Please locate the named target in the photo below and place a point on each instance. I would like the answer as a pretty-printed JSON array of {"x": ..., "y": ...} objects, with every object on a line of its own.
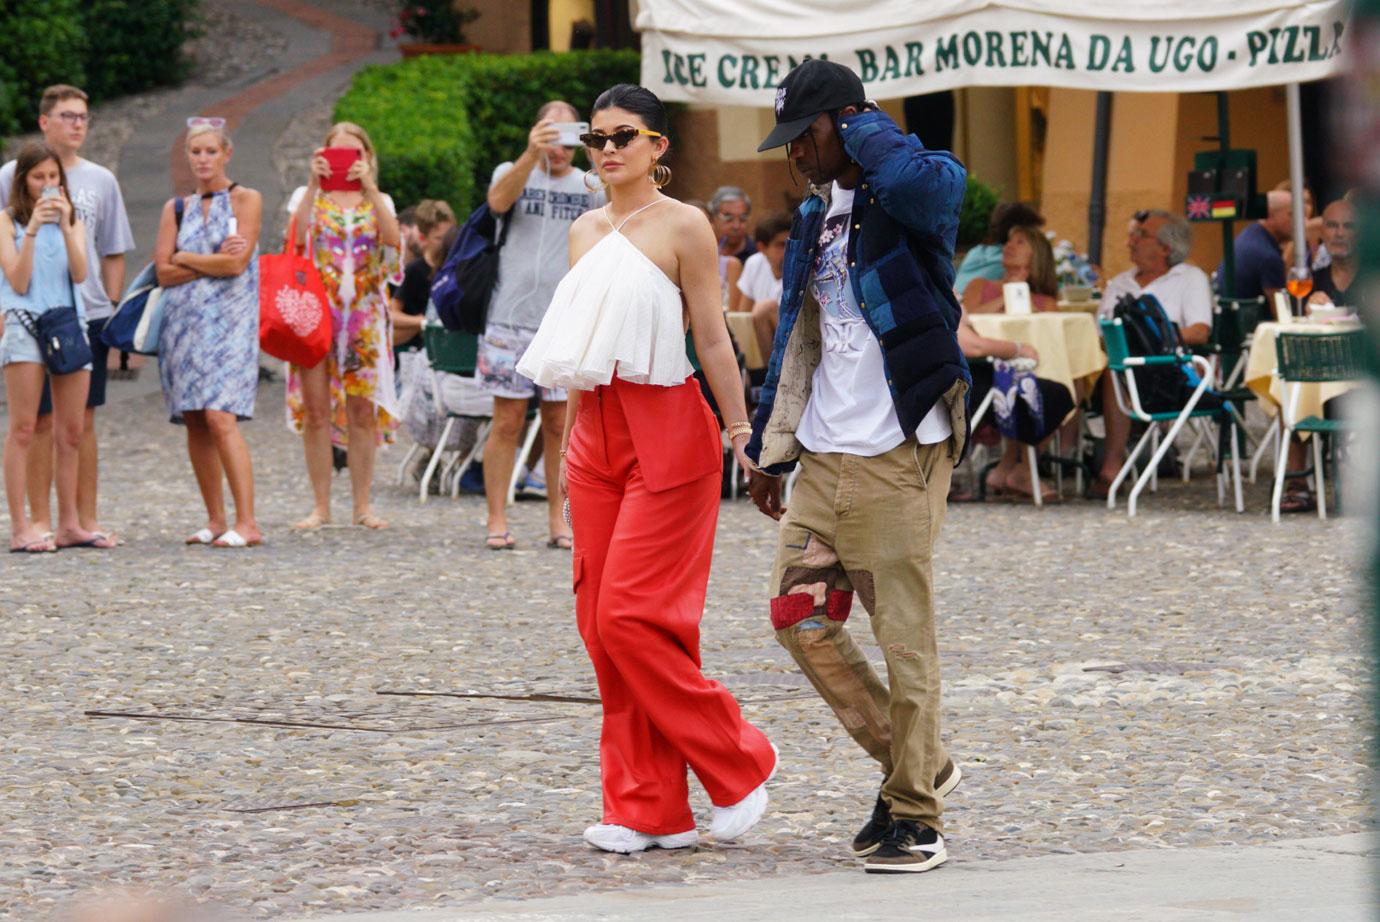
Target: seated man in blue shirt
[{"x": 1258, "y": 251}]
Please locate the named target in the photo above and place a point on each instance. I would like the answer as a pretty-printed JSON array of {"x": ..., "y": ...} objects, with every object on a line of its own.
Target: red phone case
[{"x": 340, "y": 159}]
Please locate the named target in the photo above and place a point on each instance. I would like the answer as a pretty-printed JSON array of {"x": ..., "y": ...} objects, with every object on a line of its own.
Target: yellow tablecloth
[
  {"x": 1262, "y": 360},
  {"x": 1070, "y": 349},
  {"x": 740, "y": 325}
]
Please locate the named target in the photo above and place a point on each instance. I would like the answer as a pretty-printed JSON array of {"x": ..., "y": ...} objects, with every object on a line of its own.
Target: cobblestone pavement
[{"x": 352, "y": 720}]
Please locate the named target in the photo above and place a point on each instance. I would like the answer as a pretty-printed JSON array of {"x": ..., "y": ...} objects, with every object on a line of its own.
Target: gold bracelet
[{"x": 737, "y": 429}]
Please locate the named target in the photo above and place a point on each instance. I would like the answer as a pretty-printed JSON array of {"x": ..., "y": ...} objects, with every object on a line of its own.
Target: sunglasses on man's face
[{"x": 596, "y": 140}]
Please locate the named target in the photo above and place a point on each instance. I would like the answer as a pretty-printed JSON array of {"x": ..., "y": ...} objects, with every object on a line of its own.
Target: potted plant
[{"x": 435, "y": 27}]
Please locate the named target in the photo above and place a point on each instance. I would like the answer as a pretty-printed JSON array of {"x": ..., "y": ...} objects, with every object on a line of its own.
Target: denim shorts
[{"x": 19, "y": 345}]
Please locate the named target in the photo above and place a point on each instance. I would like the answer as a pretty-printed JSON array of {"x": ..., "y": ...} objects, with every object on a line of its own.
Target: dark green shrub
[
  {"x": 140, "y": 44},
  {"x": 443, "y": 122},
  {"x": 44, "y": 44},
  {"x": 976, "y": 212}
]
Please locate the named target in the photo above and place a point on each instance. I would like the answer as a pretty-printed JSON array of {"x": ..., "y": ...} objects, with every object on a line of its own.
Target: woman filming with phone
[
  {"x": 538, "y": 196},
  {"x": 348, "y": 399},
  {"x": 43, "y": 258}
]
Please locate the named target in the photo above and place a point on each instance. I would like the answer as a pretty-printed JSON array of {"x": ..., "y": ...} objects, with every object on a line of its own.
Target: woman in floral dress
[{"x": 348, "y": 399}]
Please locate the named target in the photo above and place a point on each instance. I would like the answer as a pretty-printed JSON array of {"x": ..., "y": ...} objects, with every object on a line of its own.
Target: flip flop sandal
[
  {"x": 34, "y": 547},
  {"x": 505, "y": 542},
  {"x": 205, "y": 536},
  {"x": 92, "y": 543},
  {"x": 1297, "y": 501},
  {"x": 233, "y": 539},
  {"x": 561, "y": 543}
]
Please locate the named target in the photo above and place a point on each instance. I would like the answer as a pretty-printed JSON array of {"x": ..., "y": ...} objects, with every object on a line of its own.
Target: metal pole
[
  {"x": 1295, "y": 121},
  {"x": 1228, "y": 280},
  {"x": 1097, "y": 204}
]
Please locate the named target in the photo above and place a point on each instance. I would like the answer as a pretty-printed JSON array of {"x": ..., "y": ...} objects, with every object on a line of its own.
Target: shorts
[
  {"x": 19, "y": 345},
  {"x": 500, "y": 348},
  {"x": 100, "y": 353}
]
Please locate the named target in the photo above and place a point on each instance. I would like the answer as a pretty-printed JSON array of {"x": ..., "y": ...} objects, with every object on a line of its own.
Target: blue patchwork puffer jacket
[{"x": 900, "y": 255}]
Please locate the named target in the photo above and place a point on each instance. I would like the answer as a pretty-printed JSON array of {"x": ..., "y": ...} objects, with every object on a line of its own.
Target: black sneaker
[
  {"x": 869, "y": 838},
  {"x": 907, "y": 848}
]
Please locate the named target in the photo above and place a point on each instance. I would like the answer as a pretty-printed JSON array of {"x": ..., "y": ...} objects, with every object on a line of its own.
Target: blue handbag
[
  {"x": 138, "y": 320},
  {"x": 61, "y": 336}
]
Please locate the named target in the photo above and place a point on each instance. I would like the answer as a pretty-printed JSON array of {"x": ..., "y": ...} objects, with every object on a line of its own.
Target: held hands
[
  {"x": 765, "y": 491},
  {"x": 543, "y": 134}
]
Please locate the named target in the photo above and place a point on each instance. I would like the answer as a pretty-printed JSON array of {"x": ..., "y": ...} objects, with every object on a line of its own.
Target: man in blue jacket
[{"x": 866, "y": 390}]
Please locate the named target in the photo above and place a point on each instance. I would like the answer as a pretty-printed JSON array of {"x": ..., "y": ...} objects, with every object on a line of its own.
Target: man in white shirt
[
  {"x": 64, "y": 119},
  {"x": 760, "y": 283},
  {"x": 866, "y": 389},
  {"x": 1159, "y": 244}
]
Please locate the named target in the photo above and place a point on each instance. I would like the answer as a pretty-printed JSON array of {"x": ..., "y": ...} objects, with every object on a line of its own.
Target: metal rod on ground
[
  {"x": 1295, "y": 121},
  {"x": 1097, "y": 203}
]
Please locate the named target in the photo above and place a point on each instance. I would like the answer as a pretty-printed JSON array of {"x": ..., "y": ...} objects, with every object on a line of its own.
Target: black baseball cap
[{"x": 814, "y": 87}]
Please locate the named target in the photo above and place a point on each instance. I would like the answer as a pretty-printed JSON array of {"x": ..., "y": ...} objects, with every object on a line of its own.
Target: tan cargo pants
[{"x": 867, "y": 526}]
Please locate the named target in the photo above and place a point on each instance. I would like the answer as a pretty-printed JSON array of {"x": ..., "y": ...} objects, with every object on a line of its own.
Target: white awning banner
[{"x": 735, "y": 52}]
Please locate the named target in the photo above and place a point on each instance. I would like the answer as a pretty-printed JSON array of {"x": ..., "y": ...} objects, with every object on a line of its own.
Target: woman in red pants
[{"x": 641, "y": 463}]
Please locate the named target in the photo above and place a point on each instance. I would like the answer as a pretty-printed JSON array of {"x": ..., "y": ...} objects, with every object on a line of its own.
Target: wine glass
[{"x": 1300, "y": 283}]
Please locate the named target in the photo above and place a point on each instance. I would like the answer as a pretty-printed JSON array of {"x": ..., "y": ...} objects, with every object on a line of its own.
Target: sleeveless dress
[
  {"x": 644, "y": 466},
  {"x": 354, "y": 267},
  {"x": 208, "y": 347}
]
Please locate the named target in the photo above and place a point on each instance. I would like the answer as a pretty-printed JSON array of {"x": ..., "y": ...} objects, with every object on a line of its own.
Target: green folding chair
[
  {"x": 456, "y": 353},
  {"x": 1121, "y": 365},
  {"x": 1312, "y": 358}
]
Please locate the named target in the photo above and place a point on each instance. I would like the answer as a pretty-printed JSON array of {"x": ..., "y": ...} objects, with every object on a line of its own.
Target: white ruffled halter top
[{"x": 615, "y": 312}]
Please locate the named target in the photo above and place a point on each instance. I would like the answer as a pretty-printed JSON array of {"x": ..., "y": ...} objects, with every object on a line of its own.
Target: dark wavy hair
[{"x": 638, "y": 100}]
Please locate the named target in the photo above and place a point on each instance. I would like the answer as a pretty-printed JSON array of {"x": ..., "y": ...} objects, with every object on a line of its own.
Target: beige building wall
[
  {"x": 984, "y": 136},
  {"x": 503, "y": 27},
  {"x": 561, "y": 15},
  {"x": 1154, "y": 137}
]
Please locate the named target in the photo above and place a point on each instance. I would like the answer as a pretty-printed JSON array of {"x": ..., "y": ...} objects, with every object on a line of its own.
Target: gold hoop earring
[
  {"x": 597, "y": 185},
  {"x": 660, "y": 175}
]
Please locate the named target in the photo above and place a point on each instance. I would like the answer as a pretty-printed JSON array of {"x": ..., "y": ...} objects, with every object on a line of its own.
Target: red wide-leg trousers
[{"x": 641, "y": 572}]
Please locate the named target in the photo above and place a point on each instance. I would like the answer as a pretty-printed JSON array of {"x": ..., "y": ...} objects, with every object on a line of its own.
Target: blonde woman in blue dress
[{"x": 208, "y": 348}]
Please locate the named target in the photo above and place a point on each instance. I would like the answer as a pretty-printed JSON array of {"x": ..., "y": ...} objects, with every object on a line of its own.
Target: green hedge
[
  {"x": 443, "y": 122},
  {"x": 975, "y": 214},
  {"x": 44, "y": 44},
  {"x": 140, "y": 44},
  {"x": 106, "y": 47}
]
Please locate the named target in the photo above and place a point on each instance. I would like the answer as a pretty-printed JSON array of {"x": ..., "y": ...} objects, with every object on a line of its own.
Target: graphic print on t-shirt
[{"x": 831, "y": 270}]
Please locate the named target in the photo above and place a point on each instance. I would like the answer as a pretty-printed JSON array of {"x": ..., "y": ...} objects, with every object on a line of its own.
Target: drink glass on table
[{"x": 1299, "y": 283}]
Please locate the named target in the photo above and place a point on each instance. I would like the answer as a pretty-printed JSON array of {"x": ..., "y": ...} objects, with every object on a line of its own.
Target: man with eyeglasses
[
  {"x": 64, "y": 119},
  {"x": 867, "y": 391},
  {"x": 731, "y": 210},
  {"x": 1332, "y": 283}
]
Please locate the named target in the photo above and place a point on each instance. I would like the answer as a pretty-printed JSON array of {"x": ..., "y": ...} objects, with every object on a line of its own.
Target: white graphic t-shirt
[{"x": 850, "y": 408}]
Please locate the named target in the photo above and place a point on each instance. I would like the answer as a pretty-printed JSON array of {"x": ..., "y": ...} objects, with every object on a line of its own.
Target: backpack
[
  {"x": 1149, "y": 331},
  {"x": 465, "y": 283},
  {"x": 138, "y": 318}
]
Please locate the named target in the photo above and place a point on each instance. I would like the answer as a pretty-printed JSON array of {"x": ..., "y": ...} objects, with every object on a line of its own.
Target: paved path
[
  {"x": 354, "y": 721},
  {"x": 1307, "y": 880},
  {"x": 326, "y": 44}
]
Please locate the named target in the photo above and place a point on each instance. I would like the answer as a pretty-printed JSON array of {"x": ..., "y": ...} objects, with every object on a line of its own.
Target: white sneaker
[
  {"x": 624, "y": 841},
  {"x": 730, "y": 823}
]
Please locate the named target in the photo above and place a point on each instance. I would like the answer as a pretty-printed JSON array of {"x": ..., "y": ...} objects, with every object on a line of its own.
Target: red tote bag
[{"x": 294, "y": 315}]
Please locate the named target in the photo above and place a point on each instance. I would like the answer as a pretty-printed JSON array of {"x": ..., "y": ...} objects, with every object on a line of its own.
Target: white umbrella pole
[{"x": 1295, "y": 121}]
